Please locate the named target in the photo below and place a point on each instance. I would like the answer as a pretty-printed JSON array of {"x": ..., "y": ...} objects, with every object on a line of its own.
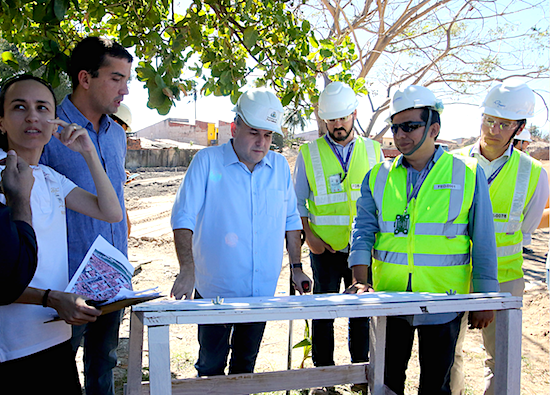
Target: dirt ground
[{"x": 149, "y": 201}]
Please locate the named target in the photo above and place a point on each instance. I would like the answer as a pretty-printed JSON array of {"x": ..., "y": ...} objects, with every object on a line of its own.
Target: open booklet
[{"x": 104, "y": 278}]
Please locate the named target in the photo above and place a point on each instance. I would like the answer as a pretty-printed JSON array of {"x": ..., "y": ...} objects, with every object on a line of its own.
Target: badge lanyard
[
  {"x": 344, "y": 163},
  {"x": 402, "y": 221},
  {"x": 495, "y": 173}
]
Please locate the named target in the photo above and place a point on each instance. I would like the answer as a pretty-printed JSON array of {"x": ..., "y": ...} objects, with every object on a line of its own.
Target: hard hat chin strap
[
  {"x": 424, "y": 135},
  {"x": 520, "y": 124}
]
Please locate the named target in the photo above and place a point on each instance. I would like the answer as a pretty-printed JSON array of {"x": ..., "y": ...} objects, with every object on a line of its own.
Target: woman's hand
[
  {"x": 72, "y": 308},
  {"x": 73, "y": 136}
]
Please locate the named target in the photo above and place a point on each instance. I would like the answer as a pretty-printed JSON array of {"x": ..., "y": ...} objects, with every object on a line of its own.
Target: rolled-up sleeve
[
  {"x": 365, "y": 227},
  {"x": 481, "y": 230},
  {"x": 191, "y": 194}
]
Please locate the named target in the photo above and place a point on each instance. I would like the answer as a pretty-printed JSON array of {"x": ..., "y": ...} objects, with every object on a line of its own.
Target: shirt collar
[
  {"x": 435, "y": 157},
  {"x": 476, "y": 149},
  {"x": 230, "y": 156},
  {"x": 75, "y": 116}
]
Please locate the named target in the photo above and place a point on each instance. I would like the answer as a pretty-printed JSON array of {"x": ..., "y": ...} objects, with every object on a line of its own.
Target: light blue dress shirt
[
  {"x": 110, "y": 144},
  {"x": 238, "y": 218},
  {"x": 480, "y": 230}
]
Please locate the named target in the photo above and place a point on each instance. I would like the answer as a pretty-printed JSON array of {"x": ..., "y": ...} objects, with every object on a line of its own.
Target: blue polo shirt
[{"x": 110, "y": 143}]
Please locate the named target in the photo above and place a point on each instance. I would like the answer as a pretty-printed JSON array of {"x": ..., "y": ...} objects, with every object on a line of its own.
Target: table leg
[
  {"x": 135, "y": 354},
  {"x": 377, "y": 334},
  {"x": 159, "y": 360},
  {"x": 508, "y": 352}
]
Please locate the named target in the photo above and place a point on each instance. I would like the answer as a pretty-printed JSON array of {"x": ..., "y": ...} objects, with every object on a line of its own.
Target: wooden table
[{"x": 159, "y": 315}]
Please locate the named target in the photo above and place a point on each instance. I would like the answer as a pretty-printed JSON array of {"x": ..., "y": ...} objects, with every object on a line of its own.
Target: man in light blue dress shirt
[{"x": 232, "y": 213}]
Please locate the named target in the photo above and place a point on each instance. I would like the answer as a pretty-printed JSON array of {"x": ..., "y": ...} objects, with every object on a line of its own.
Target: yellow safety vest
[
  {"x": 435, "y": 253},
  {"x": 331, "y": 213},
  {"x": 510, "y": 192}
]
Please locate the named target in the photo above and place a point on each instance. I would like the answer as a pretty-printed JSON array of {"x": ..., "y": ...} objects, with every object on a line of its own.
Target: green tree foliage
[
  {"x": 13, "y": 60},
  {"x": 216, "y": 46},
  {"x": 221, "y": 42},
  {"x": 293, "y": 120}
]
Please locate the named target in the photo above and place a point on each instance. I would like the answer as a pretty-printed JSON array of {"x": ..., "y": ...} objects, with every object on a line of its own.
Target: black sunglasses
[{"x": 407, "y": 127}]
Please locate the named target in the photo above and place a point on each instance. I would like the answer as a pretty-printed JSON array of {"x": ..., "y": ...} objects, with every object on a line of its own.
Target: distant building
[
  {"x": 388, "y": 142},
  {"x": 201, "y": 133}
]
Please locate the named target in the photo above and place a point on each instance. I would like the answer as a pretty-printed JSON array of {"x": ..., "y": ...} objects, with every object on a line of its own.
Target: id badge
[
  {"x": 401, "y": 224},
  {"x": 335, "y": 183}
]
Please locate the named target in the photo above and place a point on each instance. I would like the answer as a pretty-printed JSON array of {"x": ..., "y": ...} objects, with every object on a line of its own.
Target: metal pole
[{"x": 292, "y": 291}]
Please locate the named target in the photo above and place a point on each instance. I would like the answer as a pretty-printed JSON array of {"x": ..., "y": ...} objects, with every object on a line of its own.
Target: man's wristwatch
[{"x": 296, "y": 265}]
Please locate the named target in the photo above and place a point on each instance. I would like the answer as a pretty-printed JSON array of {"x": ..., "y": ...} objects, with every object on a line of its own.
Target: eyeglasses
[
  {"x": 503, "y": 125},
  {"x": 343, "y": 119},
  {"x": 407, "y": 127}
]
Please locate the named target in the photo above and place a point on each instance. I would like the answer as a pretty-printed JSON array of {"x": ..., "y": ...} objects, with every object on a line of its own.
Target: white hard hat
[
  {"x": 524, "y": 136},
  {"x": 337, "y": 101},
  {"x": 509, "y": 101},
  {"x": 260, "y": 109},
  {"x": 414, "y": 96},
  {"x": 125, "y": 115}
]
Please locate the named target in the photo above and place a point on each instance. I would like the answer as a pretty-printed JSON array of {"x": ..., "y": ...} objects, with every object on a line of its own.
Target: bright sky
[{"x": 458, "y": 120}]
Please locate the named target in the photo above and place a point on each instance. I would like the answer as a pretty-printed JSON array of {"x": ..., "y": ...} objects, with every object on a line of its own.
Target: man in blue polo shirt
[
  {"x": 232, "y": 213},
  {"x": 100, "y": 70}
]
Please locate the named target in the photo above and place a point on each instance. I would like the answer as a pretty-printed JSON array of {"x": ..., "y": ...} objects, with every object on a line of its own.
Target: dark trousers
[
  {"x": 436, "y": 352},
  {"x": 51, "y": 371},
  {"x": 100, "y": 356},
  {"x": 217, "y": 339},
  {"x": 329, "y": 269}
]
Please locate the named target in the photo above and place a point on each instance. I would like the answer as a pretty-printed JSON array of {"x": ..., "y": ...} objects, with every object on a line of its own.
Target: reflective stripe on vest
[
  {"x": 401, "y": 258},
  {"x": 370, "y": 153},
  {"x": 434, "y": 256},
  {"x": 329, "y": 219},
  {"x": 323, "y": 197},
  {"x": 429, "y": 229},
  {"x": 319, "y": 174},
  {"x": 518, "y": 201},
  {"x": 509, "y": 192},
  {"x": 509, "y": 250},
  {"x": 334, "y": 197},
  {"x": 456, "y": 198},
  {"x": 327, "y": 207}
]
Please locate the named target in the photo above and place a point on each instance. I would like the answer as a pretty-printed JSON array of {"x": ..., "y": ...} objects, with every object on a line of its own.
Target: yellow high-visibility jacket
[
  {"x": 510, "y": 192},
  {"x": 435, "y": 253},
  {"x": 331, "y": 214}
]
